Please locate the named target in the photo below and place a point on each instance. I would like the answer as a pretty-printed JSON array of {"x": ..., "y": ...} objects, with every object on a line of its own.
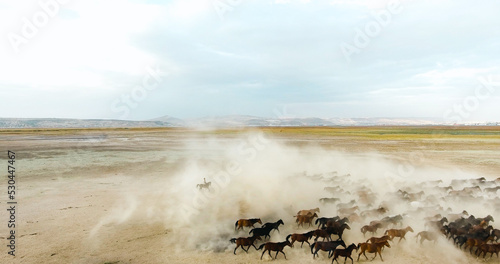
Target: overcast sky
[{"x": 283, "y": 58}]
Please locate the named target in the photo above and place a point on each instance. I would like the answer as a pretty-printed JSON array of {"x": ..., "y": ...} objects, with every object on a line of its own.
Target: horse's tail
[
  {"x": 287, "y": 237},
  {"x": 261, "y": 246},
  {"x": 232, "y": 240},
  {"x": 386, "y": 231},
  {"x": 251, "y": 231},
  {"x": 312, "y": 246},
  {"x": 236, "y": 224}
]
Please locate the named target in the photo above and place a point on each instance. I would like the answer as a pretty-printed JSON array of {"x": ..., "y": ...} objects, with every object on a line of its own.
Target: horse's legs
[
  {"x": 364, "y": 253},
  {"x": 253, "y": 246},
  {"x": 316, "y": 252},
  {"x": 263, "y": 253},
  {"x": 246, "y": 250},
  {"x": 276, "y": 257},
  {"x": 380, "y": 254},
  {"x": 283, "y": 253},
  {"x": 235, "y": 249},
  {"x": 269, "y": 251}
]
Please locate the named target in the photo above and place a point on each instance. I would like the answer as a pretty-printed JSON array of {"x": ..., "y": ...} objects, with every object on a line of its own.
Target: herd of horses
[{"x": 476, "y": 235}]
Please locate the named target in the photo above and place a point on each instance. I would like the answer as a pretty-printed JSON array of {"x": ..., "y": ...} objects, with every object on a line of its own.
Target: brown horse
[
  {"x": 372, "y": 248},
  {"x": 301, "y": 238},
  {"x": 374, "y": 240},
  {"x": 246, "y": 223},
  {"x": 306, "y": 212},
  {"x": 371, "y": 228},
  {"x": 272, "y": 246},
  {"x": 305, "y": 219},
  {"x": 473, "y": 242},
  {"x": 427, "y": 235},
  {"x": 488, "y": 248},
  {"x": 346, "y": 252},
  {"x": 398, "y": 233},
  {"x": 244, "y": 241}
]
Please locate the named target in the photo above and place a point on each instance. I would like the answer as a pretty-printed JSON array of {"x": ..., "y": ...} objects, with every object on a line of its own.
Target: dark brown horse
[
  {"x": 246, "y": 223},
  {"x": 322, "y": 221},
  {"x": 301, "y": 238},
  {"x": 324, "y": 233},
  {"x": 372, "y": 248},
  {"x": 272, "y": 246},
  {"x": 328, "y": 246},
  {"x": 274, "y": 225},
  {"x": 338, "y": 230},
  {"x": 346, "y": 252},
  {"x": 488, "y": 248},
  {"x": 244, "y": 241}
]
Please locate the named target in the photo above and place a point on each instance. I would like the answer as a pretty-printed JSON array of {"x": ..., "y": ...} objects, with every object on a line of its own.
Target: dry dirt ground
[{"x": 130, "y": 196}]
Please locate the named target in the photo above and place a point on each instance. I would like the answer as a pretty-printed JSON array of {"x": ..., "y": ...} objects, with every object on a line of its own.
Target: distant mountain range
[{"x": 219, "y": 121}]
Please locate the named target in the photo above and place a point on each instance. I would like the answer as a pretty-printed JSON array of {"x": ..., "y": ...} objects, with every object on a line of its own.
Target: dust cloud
[{"x": 258, "y": 177}]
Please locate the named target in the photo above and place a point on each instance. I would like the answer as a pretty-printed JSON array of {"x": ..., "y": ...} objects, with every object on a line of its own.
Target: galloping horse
[
  {"x": 398, "y": 233},
  {"x": 374, "y": 240},
  {"x": 305, "y": 219},
  {"x": 246, "y": 223},
  {"x": 372, "y": 248},
  {"x": 346, "y": 252},
  {"x": 329, "y": 246},
  {"x": 427, "y": 235},
  {"x": 204, "y": 185},
  {"x": 310, "y": 211},
  {"x": 274, "y": 225},
  {"x": 244, "y": 241},
  {"x": 370, "y": 228},
  {"x": 301, "y": 237},
  {"x": 272, "y": 246}
]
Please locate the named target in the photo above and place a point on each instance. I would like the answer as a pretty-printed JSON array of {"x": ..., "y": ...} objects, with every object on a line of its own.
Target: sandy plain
[{"x": 130, "y": 196}]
